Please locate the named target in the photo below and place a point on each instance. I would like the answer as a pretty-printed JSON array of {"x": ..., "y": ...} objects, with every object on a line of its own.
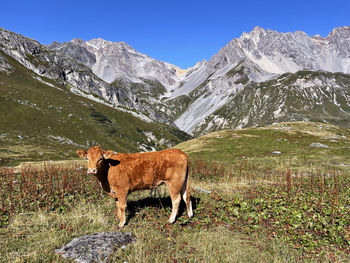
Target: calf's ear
[
  {"x": 82, "y": 154},
  {"x": 107, "y": 154}
]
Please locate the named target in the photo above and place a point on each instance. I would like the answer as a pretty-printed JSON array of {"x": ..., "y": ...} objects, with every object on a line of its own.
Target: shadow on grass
[{"x": 159, "y": 203}]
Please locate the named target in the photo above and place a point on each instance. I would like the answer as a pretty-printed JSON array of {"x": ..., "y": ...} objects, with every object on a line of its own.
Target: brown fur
[{"x": 120, "y": 174}]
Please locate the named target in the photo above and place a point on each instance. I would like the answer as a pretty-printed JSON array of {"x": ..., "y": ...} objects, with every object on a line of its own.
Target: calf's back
[{"x": 147, "y": 170}]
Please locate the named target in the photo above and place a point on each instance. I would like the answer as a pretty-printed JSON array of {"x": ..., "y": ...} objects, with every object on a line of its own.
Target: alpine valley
[{"x": 101, "y": 92}]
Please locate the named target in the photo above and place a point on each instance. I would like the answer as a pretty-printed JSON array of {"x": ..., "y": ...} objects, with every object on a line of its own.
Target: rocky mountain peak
[
  {"x": 69, "y": 64},
  {"x": 77, "y": 41},
  {"x": 256, "y": 32},
  {"x": 99, "y": 43},
  {"x": 343, "y": 32},
  {"x": 117, "y": 61}
]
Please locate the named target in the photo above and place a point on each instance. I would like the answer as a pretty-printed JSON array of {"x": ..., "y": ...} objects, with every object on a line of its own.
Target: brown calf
[{"x": 120, "y": 174}]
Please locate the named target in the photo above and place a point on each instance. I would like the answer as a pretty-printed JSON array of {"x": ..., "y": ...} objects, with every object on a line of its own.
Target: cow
[{"x": 123, "y": 173}]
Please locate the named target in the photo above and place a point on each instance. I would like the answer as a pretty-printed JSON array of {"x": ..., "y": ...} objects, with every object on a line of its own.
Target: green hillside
[
  {"x": 283, "y": 145},
  {"x": 42, "y": 120}
]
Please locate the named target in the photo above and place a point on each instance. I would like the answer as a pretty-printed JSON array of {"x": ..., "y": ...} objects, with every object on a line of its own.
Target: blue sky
[{"x": 179, "y": 32}]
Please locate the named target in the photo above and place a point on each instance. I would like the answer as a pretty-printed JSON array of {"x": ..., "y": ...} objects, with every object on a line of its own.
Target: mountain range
[
  {"x": 260, "y": 78},
  {"x": 192, "y": 98}
]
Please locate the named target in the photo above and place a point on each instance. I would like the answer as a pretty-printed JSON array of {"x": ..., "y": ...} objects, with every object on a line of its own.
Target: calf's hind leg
[
  {"x": 185, "y": 192},
  {"x": 175, "y": 200}
]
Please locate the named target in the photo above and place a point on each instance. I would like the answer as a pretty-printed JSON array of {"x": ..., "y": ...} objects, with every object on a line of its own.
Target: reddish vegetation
[{"x": 50, "y": 188}]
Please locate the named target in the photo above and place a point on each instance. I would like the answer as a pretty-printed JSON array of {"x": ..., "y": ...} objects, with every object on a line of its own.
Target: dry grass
[
  {"x": 32, "y": 233},
  {"x": 217, "y": 244},
  {"x": 33, "y": 237},
  {"x": 42, "y": 164}
]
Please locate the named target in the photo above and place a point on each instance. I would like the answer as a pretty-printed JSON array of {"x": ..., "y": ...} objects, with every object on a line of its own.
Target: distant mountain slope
[
  {"x": 116, "y": 62},
  {"x": 304, "y": 95},
  {"x": 257, "y": 57},
  {"x": 41, "y": 119},
  {"x": 70, "y": 72}
]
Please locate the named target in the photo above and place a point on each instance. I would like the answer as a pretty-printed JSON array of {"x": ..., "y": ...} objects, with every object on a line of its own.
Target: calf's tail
[{"x": 186, "y": 195}]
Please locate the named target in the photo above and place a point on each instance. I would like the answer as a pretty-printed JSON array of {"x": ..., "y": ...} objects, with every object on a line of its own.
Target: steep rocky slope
[
  {"x": 70, "y": 72},
  {"x": 304, "y": 95},
  {"x": 256, "y": 57}
]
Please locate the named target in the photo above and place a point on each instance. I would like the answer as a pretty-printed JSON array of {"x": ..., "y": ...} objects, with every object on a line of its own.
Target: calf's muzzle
[{"x": 92, "y": 171}]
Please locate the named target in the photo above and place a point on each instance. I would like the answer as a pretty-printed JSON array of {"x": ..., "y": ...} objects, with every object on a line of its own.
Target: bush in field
[{"x": 51, "y": 188}]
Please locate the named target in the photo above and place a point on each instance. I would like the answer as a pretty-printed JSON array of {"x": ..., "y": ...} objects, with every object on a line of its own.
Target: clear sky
[{"x": 179, "y": 32}]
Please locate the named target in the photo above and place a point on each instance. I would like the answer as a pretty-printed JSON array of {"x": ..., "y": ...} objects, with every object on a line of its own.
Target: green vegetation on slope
[
  {"x": 280, "y": 146},
  {"x": 38, "y": 121}
]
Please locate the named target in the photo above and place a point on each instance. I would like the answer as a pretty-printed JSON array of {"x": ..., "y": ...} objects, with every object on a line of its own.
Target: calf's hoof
[{"x": 171, "y": 220}]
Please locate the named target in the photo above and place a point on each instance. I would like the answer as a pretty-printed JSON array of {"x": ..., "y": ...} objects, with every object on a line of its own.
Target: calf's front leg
[
  {"x": 121, "y": 205},
  {"x": 116, "y": 211}
]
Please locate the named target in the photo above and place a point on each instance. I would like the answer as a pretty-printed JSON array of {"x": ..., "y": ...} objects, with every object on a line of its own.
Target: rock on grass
[
  {"x": 95, "y": 247},
  {"x": 318, "y": 145}
]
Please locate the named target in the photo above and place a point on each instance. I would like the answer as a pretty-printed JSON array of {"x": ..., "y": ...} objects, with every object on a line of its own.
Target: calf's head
[{"x": 95, "y": 156}]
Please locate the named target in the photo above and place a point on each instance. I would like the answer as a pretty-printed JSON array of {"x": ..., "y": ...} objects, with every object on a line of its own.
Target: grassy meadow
[{"x": 250, "y": 204}]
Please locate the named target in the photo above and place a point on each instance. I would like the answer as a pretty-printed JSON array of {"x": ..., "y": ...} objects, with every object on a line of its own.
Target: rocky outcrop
[
  {"x": 318, "y": 145},
  {"x": 5, "y": 65},
  {"x": 95, "y": 247}
]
